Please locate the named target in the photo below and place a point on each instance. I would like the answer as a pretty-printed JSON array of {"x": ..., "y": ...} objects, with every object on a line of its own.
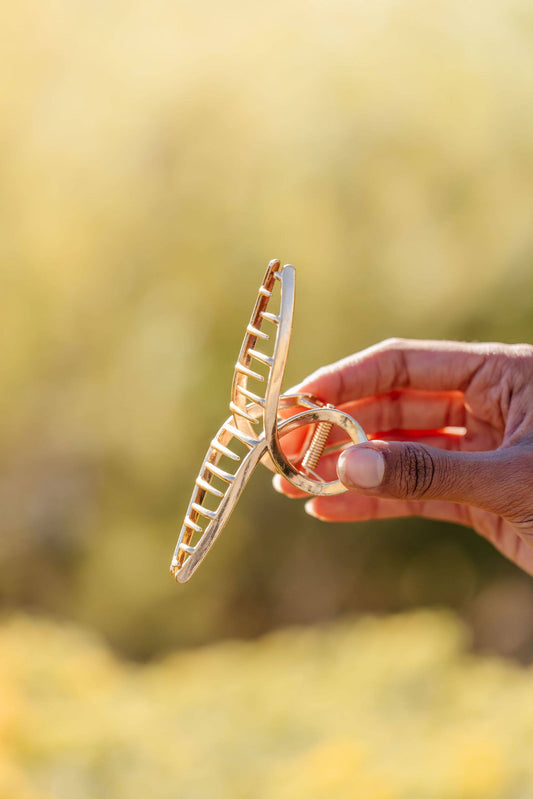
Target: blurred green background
[{"x": 154, "y": 157}]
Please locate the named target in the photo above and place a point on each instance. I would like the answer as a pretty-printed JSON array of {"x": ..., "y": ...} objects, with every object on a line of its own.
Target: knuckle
[
  {"x": 518, "y": 365},
  {"x": 393, "y": 343},
  {"x": 522, "y": 351},
  {"x": 415, "y": 473}
]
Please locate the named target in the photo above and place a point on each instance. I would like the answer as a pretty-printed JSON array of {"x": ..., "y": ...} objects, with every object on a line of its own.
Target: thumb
[{"x": 408, "y": 470}]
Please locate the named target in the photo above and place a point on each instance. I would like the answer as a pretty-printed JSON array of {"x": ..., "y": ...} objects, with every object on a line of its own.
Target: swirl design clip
[{"x": 251, "y": 434}]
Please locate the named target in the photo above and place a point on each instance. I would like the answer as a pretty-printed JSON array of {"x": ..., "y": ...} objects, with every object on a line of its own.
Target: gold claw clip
[{"x": 252, "y": 433}]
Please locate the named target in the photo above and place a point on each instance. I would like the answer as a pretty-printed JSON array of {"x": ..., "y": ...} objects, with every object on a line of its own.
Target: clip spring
[{"x": 223, "y": 486}]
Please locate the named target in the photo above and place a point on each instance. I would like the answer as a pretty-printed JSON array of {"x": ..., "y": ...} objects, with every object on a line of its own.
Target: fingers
[
  {"x": 406, "y": 410},
  {"x": 399, "y": 364},
  {"x": 498, "y": 481},
  {"x": 351, "y": 507},
  {"x": 411, "y": 410},
  {"x": 327, "y": 467}
]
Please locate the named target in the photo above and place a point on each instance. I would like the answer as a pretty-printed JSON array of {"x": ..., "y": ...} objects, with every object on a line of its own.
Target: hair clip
[{"x": 252, "y": 433}]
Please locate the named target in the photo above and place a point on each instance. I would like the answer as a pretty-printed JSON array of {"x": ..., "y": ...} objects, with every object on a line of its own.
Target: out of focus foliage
[
  {"x": 154, "y": 155},
  {"x": 378, "y": 709}
]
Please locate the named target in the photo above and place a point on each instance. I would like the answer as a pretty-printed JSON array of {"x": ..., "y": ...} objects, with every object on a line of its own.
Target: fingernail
[
  {"x": 361, "y": 467},
  {"x": 276, "y": 483}
]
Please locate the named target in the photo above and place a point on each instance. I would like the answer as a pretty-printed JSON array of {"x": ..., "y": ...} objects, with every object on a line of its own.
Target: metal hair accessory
[{"x": 224, "y": 472}]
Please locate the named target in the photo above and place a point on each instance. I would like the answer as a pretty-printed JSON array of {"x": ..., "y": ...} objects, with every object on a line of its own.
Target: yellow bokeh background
[{"x": 378, "y": 709}]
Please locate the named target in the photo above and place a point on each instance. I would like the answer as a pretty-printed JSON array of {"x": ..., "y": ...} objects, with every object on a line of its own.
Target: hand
[{"x": 451, "y": 437}]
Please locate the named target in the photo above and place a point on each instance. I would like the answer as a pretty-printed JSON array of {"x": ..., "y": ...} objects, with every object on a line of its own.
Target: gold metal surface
[
  {"x": 257, "y": 422},
  {"x": 317, "y": 446}
]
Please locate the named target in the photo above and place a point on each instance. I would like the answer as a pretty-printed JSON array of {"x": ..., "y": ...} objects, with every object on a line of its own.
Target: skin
[{"x": 454, "y": 424}]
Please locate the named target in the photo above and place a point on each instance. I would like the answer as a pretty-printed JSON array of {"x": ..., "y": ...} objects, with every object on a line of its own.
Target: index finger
[{"x": 399, "y": 364}]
